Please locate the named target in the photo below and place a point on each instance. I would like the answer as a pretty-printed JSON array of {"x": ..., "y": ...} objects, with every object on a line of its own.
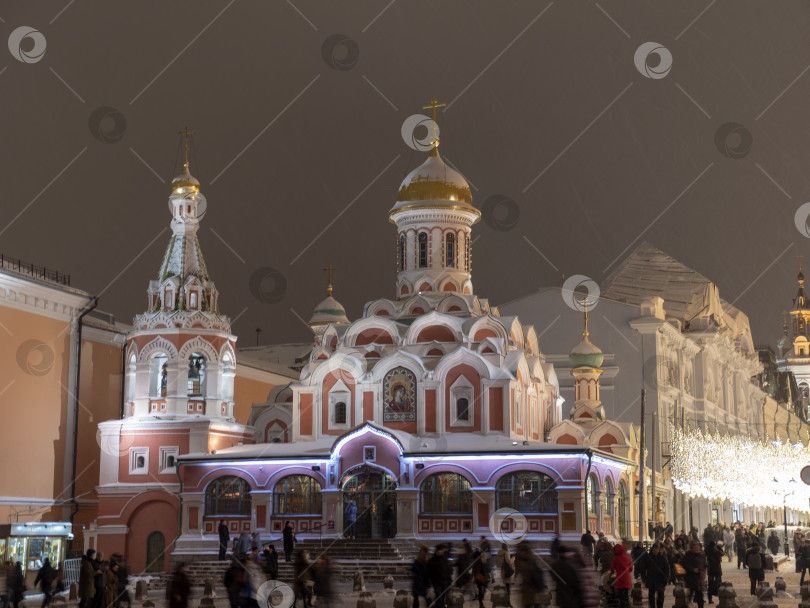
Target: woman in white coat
[{"x": 507, "y": 563}]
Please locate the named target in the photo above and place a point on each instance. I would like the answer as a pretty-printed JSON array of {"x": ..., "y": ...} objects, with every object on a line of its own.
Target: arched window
[
  {"x": 423, "y": 250},
  {"x": 228, "y": 495},
  {"x": 608, "y": 498},
  {"x": 467, "y": 254},
  {"x": 155, "y": 552},
  {"x": 158, "y": 375},
  {"x": 445, "y": 493},
  {"x": 402, "y": 252},
  {"x": 621, "y": 510},
  {"x": 591, "y": 497},
  {"x": 526, "y": 492},
  {"x": 462, "y": 409},
  {"x": 450, "y": 250},
  {"x": 297, "y": 495},
  {"x": 196, "y": 375}
]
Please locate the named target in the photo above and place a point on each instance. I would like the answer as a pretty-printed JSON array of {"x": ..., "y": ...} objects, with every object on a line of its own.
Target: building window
[
  {"x": 462, "y": 409},
  {"x": 621, "y": 509},
  {"x": 297, "y": 495},
  {"x": 591, "y": 497},
  {"x": 168, "y": 458},
  {"x": 608, "y": 498},
  {"x": 445, "y": 493},
  {"x": 467, "y": 254},
  {"x": 228, "y": 495},
  {"x": 450, "y": 250},
  {"x": 139, "y": 461},
  {"x": 527, "y": 492},
  {"x": 196, "y": 375},
  {"x": 423, "y": 250},
  {"x": 340, "y": 412},
  {"x": 192, "y": 300},
  {"x": 158, "y": 375},
  {"x": 402, "y": 252}
]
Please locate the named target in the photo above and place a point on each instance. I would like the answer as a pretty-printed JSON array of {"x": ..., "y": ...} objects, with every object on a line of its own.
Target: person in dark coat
[
  {"x": 322, "y": 576},
  {"x": 708, "y": 535},
  {"x": 231, "y": 582},
  {"x": 87, "y": 577},
  {"x": 714, "y": 569},
  {"x": 754, "y": 561},
  {"x": 302, "y": 577},
  {"x": 773, "y": 543},
  {"x": 741, "y": 544},
  {"x": 569, "y": 590},
  {"x": 388, "y": 520},
  {"x": 587, "y": 541},
  {"x": 480, "y": 572},
  {"x": 656, "y": 575},
  {"x": 100, "y": 581},
  {"x": 419, "y": 576},
  {"x": 463, "y": 561},
  {"x": 441, "y": 574},
  {"x": 270, "y": 556},
  {"x": 180, "y": 588},
  {"x": 636, "y": 554},
  {"x": 289, "y": 541},
  {"x": 224, "y": 537},
  {"x": 17, "y": 584},
  {"x": 803, "y": 559},
  {"x": 45, "y": 578},
  {"x": 694, "y": 562}
]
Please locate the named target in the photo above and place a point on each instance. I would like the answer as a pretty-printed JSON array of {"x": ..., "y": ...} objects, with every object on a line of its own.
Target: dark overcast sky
[{"x": 536, "y": 88}]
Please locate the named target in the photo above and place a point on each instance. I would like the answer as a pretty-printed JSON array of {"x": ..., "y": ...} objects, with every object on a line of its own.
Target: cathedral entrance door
[{"x": 376, "y": 496}]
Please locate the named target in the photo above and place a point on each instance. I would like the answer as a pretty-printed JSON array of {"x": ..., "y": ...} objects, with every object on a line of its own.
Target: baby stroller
[{"x": 610, "y": 598}]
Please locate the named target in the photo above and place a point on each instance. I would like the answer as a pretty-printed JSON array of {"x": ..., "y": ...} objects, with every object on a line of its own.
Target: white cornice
[
  {"x": 105, "y": 336},
  {"x": 30, "y": 295}
]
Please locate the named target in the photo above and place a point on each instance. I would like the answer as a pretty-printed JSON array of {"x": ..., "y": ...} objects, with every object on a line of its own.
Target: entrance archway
[
  {"x": 155, "y": 550},
  {"x": 376, "y": 493}
]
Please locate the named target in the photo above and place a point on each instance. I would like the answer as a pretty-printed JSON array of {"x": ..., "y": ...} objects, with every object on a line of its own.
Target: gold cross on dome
[
  {"x": 329, "y": 270},
  {"x": 799, "y": 257},
  {"x": 434, "y": 103},
  {"x": 185, "y": 133}
]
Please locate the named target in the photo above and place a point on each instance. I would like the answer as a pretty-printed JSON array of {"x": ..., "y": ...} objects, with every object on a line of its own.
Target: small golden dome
[
  {"x": 185, "y": 183},
  {"x": 433, "y": 180}
]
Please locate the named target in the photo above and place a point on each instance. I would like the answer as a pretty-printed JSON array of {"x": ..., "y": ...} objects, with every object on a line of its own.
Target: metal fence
[{"x": 70, "y": 571}]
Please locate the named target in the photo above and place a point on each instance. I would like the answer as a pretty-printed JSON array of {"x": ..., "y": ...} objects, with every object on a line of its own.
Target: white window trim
[
  {"x": 165, "y": 452},
  {"x": 462, "y": 388},
  {"x": 339, "y": 393},
  {"x": 134, "y": 453}
]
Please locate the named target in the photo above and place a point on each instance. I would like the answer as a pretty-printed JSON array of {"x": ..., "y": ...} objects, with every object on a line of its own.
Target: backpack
[
  {"x": 755, "y": 560},
  {"x": 508, "y": 570}
]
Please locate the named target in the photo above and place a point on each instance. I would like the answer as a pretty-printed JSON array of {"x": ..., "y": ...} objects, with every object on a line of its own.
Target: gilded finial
[
  {"x": 585, "y": 314},
  {"x": 329, "y": 270},
  {"x": 185, "y": 133},
  {"x": 434, "y": 103}
]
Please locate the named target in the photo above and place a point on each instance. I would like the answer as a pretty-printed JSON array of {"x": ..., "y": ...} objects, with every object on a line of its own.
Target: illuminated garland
[{"x": 739, "y": 469}]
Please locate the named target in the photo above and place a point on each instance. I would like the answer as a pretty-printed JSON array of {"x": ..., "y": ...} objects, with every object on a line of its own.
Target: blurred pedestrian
[
  {"x": 351, "y": 519},
  {"x": 567, "y": 584},
  {"x": 714, "y": 569},
  {"x": 756, "y": 572},
  {"x": 231, "y": 582},
  {"x": 288, "y": 541},
  {"x": 87, "y": 577},
  {"x": 694, "y": 563},
  {"x": 587, "y": 541},
  {"x": 100, "y": 581},
  {"x": 656, "y": 575},
  {"x": 507, "y": 570},
  {"x": 45, "y": 578},
  {"x": 463, "y": 561},
  {"x": 302, "y": 578},
  {"x": 322, "y": 577},
  {"x": 388, "y": 520},
  {"x": 122, "y": 596},
  {"x": 533, "y": 583},
  {"x": 773, "y": 543},
  {"x": 419, "y": 576},
  {"x": 180, "y": 588},
  {"x": 222, "y": 530},
  {"x": 17, "y": 584},
  {"x": 441, "y": 574},
  {"x": 111, "y": 584},
  {"x": 480, "y": 572},
  {"x": 622, "y": 567},
  {"x": 728, "y": 542},
  {"x": 271, "y": 562}
]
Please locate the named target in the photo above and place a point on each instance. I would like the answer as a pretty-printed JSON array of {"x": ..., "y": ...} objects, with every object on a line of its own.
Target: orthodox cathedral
[{"x": 431, "y": 407}]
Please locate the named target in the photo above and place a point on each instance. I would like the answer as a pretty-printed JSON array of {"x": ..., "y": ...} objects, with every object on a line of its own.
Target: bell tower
[{"x": 434, "y": 216}]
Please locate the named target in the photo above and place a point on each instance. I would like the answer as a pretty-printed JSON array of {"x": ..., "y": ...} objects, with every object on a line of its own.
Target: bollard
[
  {"x": 141, "y": 590},
  {"x": 359, "y": 581},
  {"x": 636, "y": 594},
  {"x": 454, "y": 598},
  {"x": 366, "y": 601},
  {"x": 74, "y": 592},
  {"x": 207, "y": 600},
  {"x": 388, "y": 583},
  {"x": 726, "y": 596},
  {"x": 681, "y": 596},
  {"x": 499, "y": 597},
  {"x": 403, "y": 599}
]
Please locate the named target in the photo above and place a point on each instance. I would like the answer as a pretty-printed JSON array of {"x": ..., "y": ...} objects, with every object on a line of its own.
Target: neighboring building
[
  {"x": 793, "y": 353},
  {"x": 665, "y": 328},
  {"x": 431, "y": 406},
  {"x": 50, "y": 413}
]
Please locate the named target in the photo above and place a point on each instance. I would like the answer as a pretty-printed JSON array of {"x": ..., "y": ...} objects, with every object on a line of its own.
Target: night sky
[{"x": 572, "y": 153}]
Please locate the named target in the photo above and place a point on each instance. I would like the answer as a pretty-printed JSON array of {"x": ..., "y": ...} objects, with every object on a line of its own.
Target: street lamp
[{"x": 784, "y": 514}]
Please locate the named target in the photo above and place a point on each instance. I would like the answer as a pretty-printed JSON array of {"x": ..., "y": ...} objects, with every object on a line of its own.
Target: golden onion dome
[
  {"x": 434, "y": 184},
  {"x": 185, "y": 183}
]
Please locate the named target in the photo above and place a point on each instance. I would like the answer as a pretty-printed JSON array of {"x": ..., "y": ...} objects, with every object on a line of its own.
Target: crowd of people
[{"x": 103, "y": 583}]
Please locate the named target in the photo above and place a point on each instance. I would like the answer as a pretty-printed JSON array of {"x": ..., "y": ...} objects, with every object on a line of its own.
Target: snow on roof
[{"x": 283, "y": 359}]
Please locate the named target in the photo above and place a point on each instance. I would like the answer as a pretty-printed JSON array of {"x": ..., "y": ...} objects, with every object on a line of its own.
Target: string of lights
[{"x": 740, "y": 469}]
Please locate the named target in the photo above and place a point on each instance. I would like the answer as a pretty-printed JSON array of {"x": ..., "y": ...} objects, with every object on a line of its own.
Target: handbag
[
  {"x": 679, "y": 570},
  {"x": 481, "y": 578},
  {"x": 508, "y": 570}
]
